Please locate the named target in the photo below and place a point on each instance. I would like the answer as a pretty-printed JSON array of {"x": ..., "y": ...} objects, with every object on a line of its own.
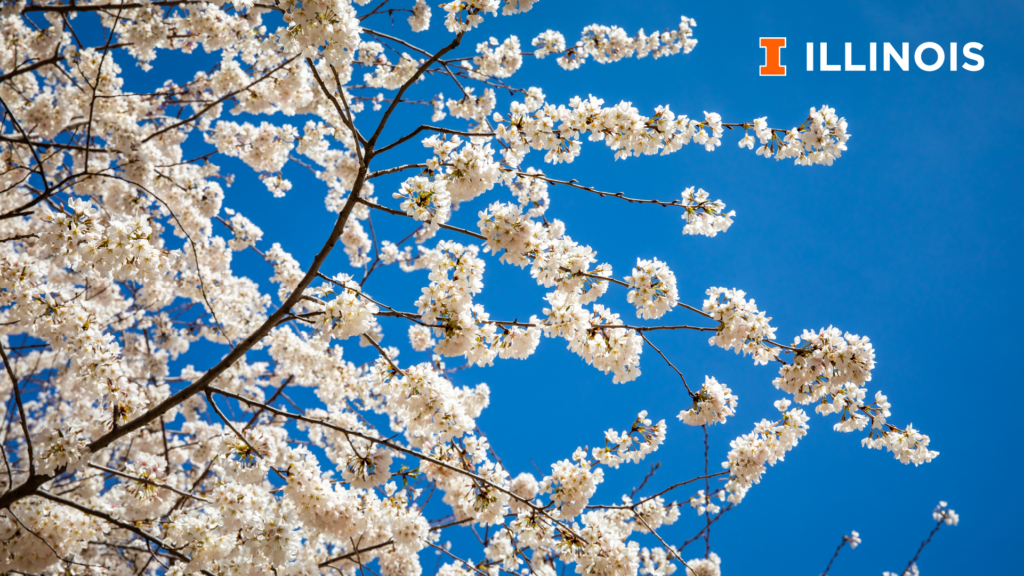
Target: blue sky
[{"x": 913, "y": 238}]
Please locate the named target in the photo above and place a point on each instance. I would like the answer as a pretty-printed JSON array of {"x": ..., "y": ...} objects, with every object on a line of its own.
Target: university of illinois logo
[
  {"x": 929, "y": 57},
  {"x": 773, "y": 57}
]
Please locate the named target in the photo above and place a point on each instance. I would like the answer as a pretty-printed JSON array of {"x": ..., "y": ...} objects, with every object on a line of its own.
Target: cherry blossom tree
[{"x": 116, "y": 254}]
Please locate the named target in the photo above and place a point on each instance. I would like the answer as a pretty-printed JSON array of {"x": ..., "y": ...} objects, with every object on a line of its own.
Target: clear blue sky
[{"x": 912, "y": 238}]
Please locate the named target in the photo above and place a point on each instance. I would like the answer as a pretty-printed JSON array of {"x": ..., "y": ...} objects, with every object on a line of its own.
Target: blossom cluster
[
  {"x": 652, "y": 289},
  {"x": 830, "y": 370},
  {"x": 557, "y": 131},
  {"x": 705, "y": 217},
  {"x": 121, "y": 248},
  {"x": 742, "y": 327},
  {"x": 821, "y": 139},
  {"x": 610, "y": 44},
  {"x": 712, "y": 404},
  {"x": 619, "y": 447},
  {"x": 349, "y": 313},
  {"x": 752, "y": 453}
]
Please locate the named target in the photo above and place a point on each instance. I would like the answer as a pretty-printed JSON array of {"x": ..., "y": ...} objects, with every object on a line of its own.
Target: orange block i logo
[{"x": 772, "y": 56}]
